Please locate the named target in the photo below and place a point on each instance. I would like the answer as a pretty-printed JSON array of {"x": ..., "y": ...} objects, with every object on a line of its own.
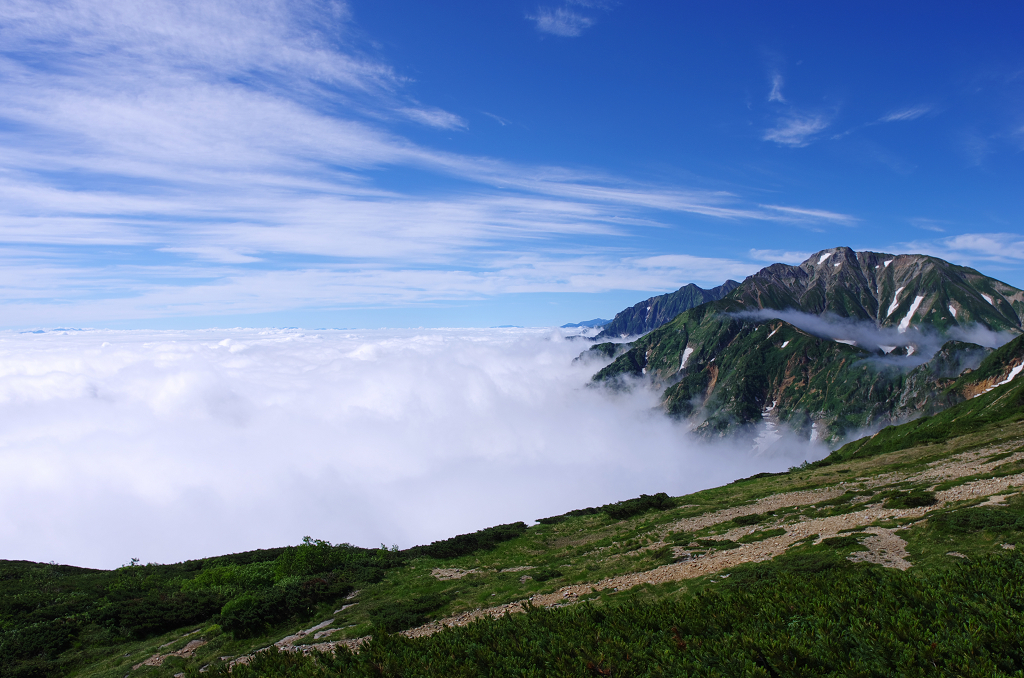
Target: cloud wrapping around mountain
[
  {"x": 174, "y": 445},
  {"x": 926, "y": 340}
]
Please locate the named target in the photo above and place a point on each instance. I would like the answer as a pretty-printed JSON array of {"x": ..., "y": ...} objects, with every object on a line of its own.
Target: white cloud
[
  {"x": 905, "y": 114},
  {"x": 779, "y": 256},
  {"x": 561, "y": 21},
  {"x": 972, "y": 248},
  {"x": 122, "y": 293},
  {"x": 796, "y": 130},
  {"x": 804, "y": 214},
  {"x": 776, "y": 93},
  {"x": 174, "y": 445},
  {"x": 195, "y": 139},
  {"x": 927, "y": 224},
  {"x": 434, "y": 118}
]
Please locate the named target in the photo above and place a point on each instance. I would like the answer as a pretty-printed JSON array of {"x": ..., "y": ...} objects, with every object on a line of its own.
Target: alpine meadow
[{"x": 542, "y": 338}]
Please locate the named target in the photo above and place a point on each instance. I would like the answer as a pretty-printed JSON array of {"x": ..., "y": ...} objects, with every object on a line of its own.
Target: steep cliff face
[
  {"x": 728, "y": 370},
  {"x": 652, "y": 313}
]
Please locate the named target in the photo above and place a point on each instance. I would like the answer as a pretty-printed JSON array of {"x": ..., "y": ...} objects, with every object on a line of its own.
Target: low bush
[
  {"x": 846, "y": 541},
  {"x": 251, "y": 613},
  {"x": 761, "y": 535},
  {"x": 807, "y": 620},
  {"x": 619, "y": 510},
  {"x": 633, "y": 507},
  {"x": 544, "y": 574},
  {"x": 158, "y": 612},
  {"x": 464, "y": 544},
  {"x": 751, "y": 519},
  {"x": 978, "y": 519},
  {"x": 401, "y": 615},
  {"x": 911, "y": 499}
]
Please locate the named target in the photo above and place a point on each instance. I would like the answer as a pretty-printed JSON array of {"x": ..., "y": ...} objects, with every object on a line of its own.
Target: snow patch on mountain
[
  {"x": 905, "y": 323},
  {"x": 895, "y": 302}
]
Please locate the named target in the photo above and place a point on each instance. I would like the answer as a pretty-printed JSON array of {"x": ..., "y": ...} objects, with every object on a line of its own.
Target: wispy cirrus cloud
[
  {"x": 802, "y": 213},
  {"x": 906, "y": 114},
  {"x": 776, "y": 92},
  {"x": 561, "y": 21},
  {"x": 780, "y": 256},
  {"x": 434, "y": 117},
  {"x": 207, "y": 158},
  {"x": 971, "y": 248},
  {"x": 796, "y": 129},
  {"x": 927, "y": 224}
]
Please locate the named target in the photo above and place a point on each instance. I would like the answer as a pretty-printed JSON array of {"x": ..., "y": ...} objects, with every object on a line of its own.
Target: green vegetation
[
  {"x": 619, "y": 510},
  {"x": 464, "y": 544},
  {"x": 809, "y": 615}
]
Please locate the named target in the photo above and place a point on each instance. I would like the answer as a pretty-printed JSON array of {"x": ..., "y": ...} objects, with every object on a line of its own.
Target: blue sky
[{"x": 397, "y": 163}]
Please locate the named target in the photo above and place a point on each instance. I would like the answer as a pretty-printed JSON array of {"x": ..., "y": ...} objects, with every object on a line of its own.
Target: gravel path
[{"x": 885, "y": 547}]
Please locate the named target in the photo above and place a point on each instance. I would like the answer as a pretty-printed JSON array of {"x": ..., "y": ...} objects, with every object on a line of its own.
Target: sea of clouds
[{"x": 169, "y": 445}]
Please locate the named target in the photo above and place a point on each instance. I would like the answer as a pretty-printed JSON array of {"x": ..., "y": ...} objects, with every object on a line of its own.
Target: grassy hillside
[{"x": 890, "y": 557}]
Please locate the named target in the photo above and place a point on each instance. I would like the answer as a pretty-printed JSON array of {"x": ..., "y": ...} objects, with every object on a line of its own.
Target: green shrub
[
  {"x": 718, "y": 544},
  {"x": 912, "y": 499},
  {"x": 400, "y": 615},
  {"x": 843, "y": 542},
  {"x": 978, "y": 519},
  {"x": 761, "y": 535},
  {"x": 251, "y": 613},
  {"x": 619, "y": 510},
  {"x": 158, "y": 612},
  {"x": 246, "y": 577},
  {"x": 464, "y": 544},
  {"x": 810, "y": 618},
  {"x": 633, "y": 507},
  {"x": 545, "y": 574},
  {"x": 751, "y": 519}
]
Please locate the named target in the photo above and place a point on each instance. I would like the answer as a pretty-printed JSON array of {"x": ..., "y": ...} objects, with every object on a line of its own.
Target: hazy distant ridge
[{"x": 652, "y": 313}]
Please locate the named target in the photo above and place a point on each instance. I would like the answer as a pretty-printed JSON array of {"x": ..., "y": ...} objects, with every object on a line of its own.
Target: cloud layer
[
  {"x": 925, "y": 340},
  {"x": 171, "y": 445}
]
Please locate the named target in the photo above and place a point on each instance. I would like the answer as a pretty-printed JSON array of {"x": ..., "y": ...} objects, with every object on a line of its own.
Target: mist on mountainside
[
  {"x": 176, "y": 445},
  {"x": 925, "y": 340}
]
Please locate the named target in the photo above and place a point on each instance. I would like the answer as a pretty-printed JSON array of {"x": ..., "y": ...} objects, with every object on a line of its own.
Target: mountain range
[
  {"x": 652, "y": 313},
  {"x": 846, "y": 341}
]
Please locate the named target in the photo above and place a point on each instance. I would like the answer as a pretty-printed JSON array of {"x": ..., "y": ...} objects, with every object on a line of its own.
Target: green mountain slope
[
  {"x": 898, "y": 561},
  {"x": 652, "y": 313},
  {"x": 729, "y": 370}
]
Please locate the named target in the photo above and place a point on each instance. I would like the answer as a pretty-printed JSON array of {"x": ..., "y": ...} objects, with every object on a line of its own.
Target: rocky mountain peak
[{"x": 888, "y": 289}]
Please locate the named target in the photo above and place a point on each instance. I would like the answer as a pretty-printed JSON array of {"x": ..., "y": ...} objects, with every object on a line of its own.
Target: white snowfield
[
  {"x": 823, "y": 257},
  {"x": 785, "y": 343},
  {"x": 686, "y": 356},
  {"x": 905, "y": 323},
  {"x": 848, "y": 342},
  {"x": 1013, "y": 375},
  {"x": 895, "y": 302},
  {"x": 772, "y": 333},
  {"x": 887, "y": 263},
  {"x": 988, "y": 299},
  {"x": 952, "y": 310}
]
